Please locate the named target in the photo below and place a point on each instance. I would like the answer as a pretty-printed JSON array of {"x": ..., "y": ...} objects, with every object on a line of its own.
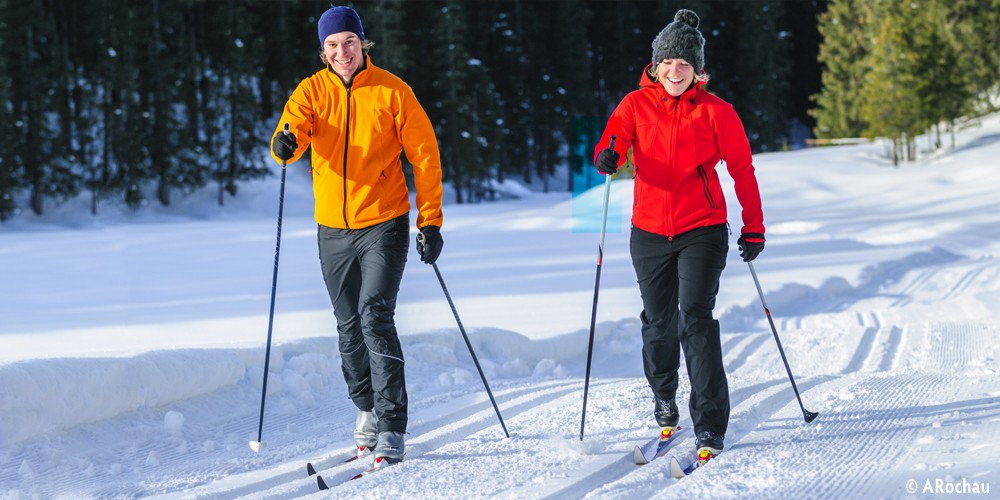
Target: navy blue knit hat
[{"x": 339, "y": 19}]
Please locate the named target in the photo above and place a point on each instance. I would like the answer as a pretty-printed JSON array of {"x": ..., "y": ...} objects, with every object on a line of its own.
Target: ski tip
[
  {"x": 675, "y": 468},
  {"x": 321, "y": 483},
  {"x": 638, "y": 457},
  {"x": 310, "y": 469}
]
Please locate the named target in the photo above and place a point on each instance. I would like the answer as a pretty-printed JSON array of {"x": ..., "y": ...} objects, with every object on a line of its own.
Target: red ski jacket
[{"x": 676, "y": 144}]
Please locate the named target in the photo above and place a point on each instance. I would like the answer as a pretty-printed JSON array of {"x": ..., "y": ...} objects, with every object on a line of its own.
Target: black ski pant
[
  {"x": 679, "y": 280},
  {"x": 363, "y": 269}
]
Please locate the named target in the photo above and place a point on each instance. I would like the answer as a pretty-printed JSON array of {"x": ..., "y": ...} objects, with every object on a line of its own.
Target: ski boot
[
  {"x": 667, "y": 417},
  {"x": 390, "y": 448},
  {"x": 365, "y": 433},
  {"x": 709, "y": 444}
]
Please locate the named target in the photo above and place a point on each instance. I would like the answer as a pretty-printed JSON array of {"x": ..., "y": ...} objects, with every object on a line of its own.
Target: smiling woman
[{"x": 678, "y": 133}]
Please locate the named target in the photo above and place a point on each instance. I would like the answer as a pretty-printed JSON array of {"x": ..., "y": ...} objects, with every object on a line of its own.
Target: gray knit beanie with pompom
[{"x": 681, "y": 40}]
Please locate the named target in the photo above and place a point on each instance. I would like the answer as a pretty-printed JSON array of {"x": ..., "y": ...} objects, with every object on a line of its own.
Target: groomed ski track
[{"x": 883, "y": 394}]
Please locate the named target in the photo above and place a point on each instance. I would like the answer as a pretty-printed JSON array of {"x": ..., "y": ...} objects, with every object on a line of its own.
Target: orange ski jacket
[
  {"x": 676, "y": 144},
  {"x": 357, "y": 135}
]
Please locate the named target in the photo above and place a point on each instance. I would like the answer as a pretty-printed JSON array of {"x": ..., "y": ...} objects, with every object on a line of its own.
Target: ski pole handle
[{"x": 286, "y": 131}]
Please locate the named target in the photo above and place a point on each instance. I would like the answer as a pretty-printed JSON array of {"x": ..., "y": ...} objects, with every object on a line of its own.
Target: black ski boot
[
  {"x": 666, "y": 413},
  {"x": 709, "y": 445}
]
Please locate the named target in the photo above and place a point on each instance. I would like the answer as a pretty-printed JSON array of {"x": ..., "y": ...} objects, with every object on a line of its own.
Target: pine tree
[
  {"x": 11, "y": 177},
  {"x": 40, "y": 155},
  {"x": 384, "y": 24},
  {"x": 764, "y": 67},
  {"x": 973, "y": 29},
  {"x": 890, "y": 102},
  {"x": 844, "y": 54},
  {"x": 237, "y": 160}
]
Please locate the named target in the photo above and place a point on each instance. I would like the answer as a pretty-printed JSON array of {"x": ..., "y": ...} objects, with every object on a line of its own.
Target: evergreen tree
[
  {"x": 40, "y": 156},
  {"x": 457, "y": 86},
  {"x": 570, "y": 58},
  {"x": 973, "y": 29},
  {"x": 890, "y": 102},
  {"x": 844, "y": 55},
  {"x": 764, "y": 66},
  {"x": 238, "y": 160},
  {"x": 11, "y": 177},
  {"x": 384, "y": 24},
  {"x": 510, "y": 73},
  {"x": 944, "y": 93}
]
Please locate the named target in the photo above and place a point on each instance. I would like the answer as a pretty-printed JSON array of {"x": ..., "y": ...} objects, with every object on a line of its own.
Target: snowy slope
[{"x": 133, "y": 346}]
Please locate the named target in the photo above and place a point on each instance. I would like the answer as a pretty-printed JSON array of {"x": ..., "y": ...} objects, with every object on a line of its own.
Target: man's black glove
[
  {"x": 429, "y": 244},
  {"x": 607, "y": 161},
  {"x": 284, "y": 146},
  {"x": 751, "y": 244}
]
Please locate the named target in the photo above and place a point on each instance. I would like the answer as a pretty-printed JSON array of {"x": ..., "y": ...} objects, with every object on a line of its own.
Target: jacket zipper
[
  {"x": 673, "y": 142},
  {"x": 704, "y": 183},
  {"x": 347, "y": 141}
]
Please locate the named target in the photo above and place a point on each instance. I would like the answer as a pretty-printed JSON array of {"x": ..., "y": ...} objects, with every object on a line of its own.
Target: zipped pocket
[{"x": 705, "y": 186}]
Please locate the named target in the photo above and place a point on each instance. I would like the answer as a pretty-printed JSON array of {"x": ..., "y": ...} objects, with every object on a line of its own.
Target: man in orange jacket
[{"x": 358, "y": 118}]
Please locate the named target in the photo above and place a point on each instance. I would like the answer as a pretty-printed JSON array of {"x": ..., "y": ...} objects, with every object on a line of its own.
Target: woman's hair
[
  {"x": 698, "y": 77},
  {"x": 366, "y": 45}
]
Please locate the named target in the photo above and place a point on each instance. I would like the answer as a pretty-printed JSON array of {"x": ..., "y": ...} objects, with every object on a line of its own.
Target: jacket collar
[{"x": 360, "y": 76}]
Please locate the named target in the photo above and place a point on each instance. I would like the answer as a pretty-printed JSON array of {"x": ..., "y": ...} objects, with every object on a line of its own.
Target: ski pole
[
  {"x": 809, "y": 416},
  {"x": 258, "y": 445},
  {"x": 461, "y": 328},
  {"x": 597, "y": 288}
]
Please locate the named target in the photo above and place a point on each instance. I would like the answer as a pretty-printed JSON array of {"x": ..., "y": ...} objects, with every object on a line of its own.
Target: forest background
[{"x": 132, "y": 103}]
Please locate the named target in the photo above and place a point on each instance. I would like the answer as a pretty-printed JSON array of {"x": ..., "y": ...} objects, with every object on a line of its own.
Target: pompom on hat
[
  {"x": 337, "y": 20},
  {"x": 681, "y": 40}
]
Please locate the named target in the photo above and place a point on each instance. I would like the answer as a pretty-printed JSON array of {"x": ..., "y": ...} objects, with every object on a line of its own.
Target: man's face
[{"x": 344, "y": 53}]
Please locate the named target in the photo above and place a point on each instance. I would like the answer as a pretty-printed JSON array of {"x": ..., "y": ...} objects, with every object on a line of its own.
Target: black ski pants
[
  {"x": 363, "y": 269},
  {"x": 679, "y": 280}
]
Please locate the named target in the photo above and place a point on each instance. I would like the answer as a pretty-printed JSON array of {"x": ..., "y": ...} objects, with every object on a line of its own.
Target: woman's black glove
[
  {"x": 751, "y": 244},
  {"x": 607, "y": 161}
]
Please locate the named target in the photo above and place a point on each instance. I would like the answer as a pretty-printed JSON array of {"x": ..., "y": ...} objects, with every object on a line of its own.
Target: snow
[{"x": 133, "y": 345}]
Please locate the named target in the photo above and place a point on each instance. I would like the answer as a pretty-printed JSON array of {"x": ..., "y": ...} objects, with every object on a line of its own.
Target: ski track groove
[
  {"x": 915, "y": 285},
  {"x": 737, "y": 359},
  {"x": 758, "y": 403},
  {"x": 291, "y": 479},
  {"x": 171, "y": 452},
  {"x": 429, "y": 436},
  {"x": 892, "y": 349},
  {"x": 618, "y": 466},
  {"x": 528, "y": 408},
  {"x": 963, "y": 283},
  {"x": 864, "y": 348}
]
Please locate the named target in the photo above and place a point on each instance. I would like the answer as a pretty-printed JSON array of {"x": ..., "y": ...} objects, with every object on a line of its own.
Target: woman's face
[
  {"x": 676, "y": 75},
  {"x": 344, "y": 54}
]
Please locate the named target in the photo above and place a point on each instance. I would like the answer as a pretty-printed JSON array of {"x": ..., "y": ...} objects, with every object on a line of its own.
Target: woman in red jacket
[{"x": 679, "y": 133}]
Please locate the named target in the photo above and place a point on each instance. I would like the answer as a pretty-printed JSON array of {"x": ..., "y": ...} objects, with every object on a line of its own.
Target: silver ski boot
[
  {"x": 390, "y": 448},
  {"x": 365, "y": 433}
]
